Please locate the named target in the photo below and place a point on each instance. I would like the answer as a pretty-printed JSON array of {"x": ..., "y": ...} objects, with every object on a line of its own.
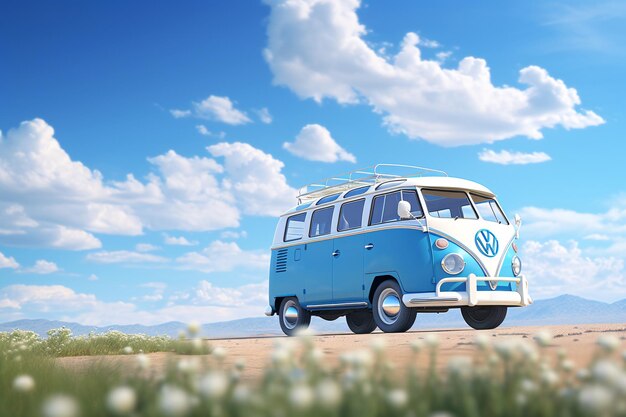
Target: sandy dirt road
[{"x": 578, "y": 341}]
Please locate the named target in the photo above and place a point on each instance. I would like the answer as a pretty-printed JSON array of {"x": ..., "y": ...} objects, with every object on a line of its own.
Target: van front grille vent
[{"x": 281, "y": 260}]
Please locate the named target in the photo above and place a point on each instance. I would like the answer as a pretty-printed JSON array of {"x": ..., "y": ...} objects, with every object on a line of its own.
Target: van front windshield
[
  {"x": 448, "y": 204},
  {"x": 489, "y": 209}
]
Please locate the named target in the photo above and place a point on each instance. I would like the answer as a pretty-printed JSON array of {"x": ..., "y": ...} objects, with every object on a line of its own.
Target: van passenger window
[
  {"x": 489, "y": 209},
  {"x": 351, "y": 215},
  {"x": 320, "y": 222},
  {"x": 295, "y": 227},
  {"x": 385, "y": 207}
]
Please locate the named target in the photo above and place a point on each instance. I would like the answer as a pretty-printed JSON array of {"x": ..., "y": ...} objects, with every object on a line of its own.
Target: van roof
[{"x": 402, "y": 182}]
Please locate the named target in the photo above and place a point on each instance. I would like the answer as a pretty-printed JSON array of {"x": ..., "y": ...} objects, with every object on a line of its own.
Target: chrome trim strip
[
  {"x": 359, "y": 304},
  {"x": 367, "y": 229}
]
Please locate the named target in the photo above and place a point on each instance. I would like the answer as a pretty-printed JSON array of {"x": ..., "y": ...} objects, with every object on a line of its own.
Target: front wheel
[
  {"x": 292, "y": 316},
  {"x": 390, "y": 313},
  {"x": 484, "y": 318},
  {"x": 361, "y": 322}
]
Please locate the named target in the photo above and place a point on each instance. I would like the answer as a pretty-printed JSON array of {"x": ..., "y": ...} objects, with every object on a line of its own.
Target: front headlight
[
  {"x": 516, "y": 265},
  {"x": 453, "y": 263}
]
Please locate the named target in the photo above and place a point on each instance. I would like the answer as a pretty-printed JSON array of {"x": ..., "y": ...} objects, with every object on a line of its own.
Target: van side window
[
  {"x": 350, "y": 215},
  {"x": 295, "y": 227},
  {"x": 385, "y": 207},
  {"x": 320, "y": 222}
]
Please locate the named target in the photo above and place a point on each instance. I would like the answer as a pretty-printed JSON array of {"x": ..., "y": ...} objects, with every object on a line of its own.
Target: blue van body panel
[
  {"x": 401, "y": 252},
  {"x": 283, "y": 268},
  {"x": 317, "y": 272},
  {"x": 348, "y": 268}
]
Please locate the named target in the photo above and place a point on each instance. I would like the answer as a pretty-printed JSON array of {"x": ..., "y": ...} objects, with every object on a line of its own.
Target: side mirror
[
  {"x": 404, "y": 210},
  {"x": 518, "y": 225}
]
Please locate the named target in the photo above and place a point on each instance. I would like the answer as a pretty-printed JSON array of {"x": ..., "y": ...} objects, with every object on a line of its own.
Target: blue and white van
[{"x": 382, "y": 244}]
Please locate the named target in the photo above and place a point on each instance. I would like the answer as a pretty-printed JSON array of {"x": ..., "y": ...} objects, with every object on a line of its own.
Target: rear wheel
[
  {"x": 390, "y": 313},
  {"x": 292, "y": 316},
  {"x": 361, "y": 322},
  {"x": 484, "y": 318}
]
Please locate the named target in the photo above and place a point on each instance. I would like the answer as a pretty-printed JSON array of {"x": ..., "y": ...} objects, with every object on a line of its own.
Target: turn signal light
[{"x": 442, "y": 243}]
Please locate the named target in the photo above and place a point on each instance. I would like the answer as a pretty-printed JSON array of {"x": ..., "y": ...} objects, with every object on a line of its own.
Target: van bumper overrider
[
  {"x": 269, "y": 311},
  {"x": 471, "y": 296}
]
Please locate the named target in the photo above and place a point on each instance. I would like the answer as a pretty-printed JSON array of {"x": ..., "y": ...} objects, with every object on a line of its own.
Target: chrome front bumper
[
  {"x": 471, "y": 296},
  {"x": 269, "y": 311}
]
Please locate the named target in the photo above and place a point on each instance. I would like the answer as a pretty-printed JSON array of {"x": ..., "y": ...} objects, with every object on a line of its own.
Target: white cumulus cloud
[
  {"x": 124, "y": 256},
  {"x": 315, "y": 143},
  {"x": 8, "y": 262},
  {"x": 178, "y": 241},
  {"x": 554, "y": 268},
  {"x": 217, "y": 108},
  {"x": 264, "y": 115},
  {"x": 513, "y": 158},
  {"x": 316, "y": 48},
  {"x": 255, "y": 177},
  {"x": 42, "y": 267},
  {"x": 222, "y": 257},
  {"x": 50, "y": 200}
]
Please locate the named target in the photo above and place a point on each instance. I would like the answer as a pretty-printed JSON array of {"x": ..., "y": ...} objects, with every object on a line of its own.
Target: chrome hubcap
[
  {"x": 389, "y": 305},
  {"x": 290, "y": 315}
]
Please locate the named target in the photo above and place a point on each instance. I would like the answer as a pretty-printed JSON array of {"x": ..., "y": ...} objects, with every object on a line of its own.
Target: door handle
[
  {"x": 369, "y": 246},
  {"x": 336, "y": 253}
]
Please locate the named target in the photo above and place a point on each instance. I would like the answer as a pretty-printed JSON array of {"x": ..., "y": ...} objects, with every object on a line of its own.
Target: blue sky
[{"x": 80, "y": 240}]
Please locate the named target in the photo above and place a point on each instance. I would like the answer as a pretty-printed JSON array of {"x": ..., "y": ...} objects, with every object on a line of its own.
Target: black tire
[
  {"x": 292, "y": 316},
  {"x": 390, "y": 313},
  {"x": 361, "y": 322},
  {"x": 484, "y": 318}
]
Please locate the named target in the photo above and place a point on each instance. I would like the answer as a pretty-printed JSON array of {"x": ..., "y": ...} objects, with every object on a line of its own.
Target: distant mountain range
[{"x": 565, "y": 309}]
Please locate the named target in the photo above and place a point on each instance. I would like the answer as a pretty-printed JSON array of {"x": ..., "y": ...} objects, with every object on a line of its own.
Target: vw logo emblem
[{"x": 486, "y": 243}]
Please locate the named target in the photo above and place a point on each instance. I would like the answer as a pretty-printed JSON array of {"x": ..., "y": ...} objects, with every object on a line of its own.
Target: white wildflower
[
  {"x": 521, "y": 399},
  {"x": 417, "y": 345},
  {"x": 328, "y": 393},
  {"x": 378, "y": 345},
  {"x": 567, "y": 365},
  {"x": 219, "y": 353},
  {"x": 122, "y": 400},
  {"x": 431, "y": 340},
  {"x": 608, "y": 342},
  {"x": 549, "y": 377},
  {"x": 583, "y": 374},
  {"x": 188, "y": 365},
  {"x": 193, "y": 328},
  {"x": 595, "y": 398},
  {"x": 397, "y": 398},
  {"x": 173, "y": 401},
  {"x": 60, "y": 406},
  {"x": 301, "y": 396},
  {"x": 213, "y": 385},
  {"x": 241, "y": 394},
  {"x": 24, "y": 383},
  {"x": 196, "y": 344},
  {"x": 482, "y": 341},
  {"x": 460, "y": 366},
  {"x": 528, "y": 385},
  {"x": 143, "y": 361},
  {"x": 543, "y": 338},
  {"x": 127, "y": 350},
  {"x": 605, "y": 371}
]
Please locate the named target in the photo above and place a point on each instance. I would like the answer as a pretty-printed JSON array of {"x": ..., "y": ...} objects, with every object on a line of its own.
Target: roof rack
[{"x": 361, "y": 177}]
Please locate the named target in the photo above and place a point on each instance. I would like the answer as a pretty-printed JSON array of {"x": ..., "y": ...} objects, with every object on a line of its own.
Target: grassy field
[{"x": 500, "y": 378}]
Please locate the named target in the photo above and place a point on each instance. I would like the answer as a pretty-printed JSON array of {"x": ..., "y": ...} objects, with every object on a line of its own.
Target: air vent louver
[{"x": 281, "y": 260}]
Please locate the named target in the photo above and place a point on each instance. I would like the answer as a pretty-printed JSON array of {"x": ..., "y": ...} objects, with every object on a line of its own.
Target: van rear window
[
  {"x": 385, "y": 207},
  {"x": 295, "y": 227},
  {"x": 448, "y": 204}
]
